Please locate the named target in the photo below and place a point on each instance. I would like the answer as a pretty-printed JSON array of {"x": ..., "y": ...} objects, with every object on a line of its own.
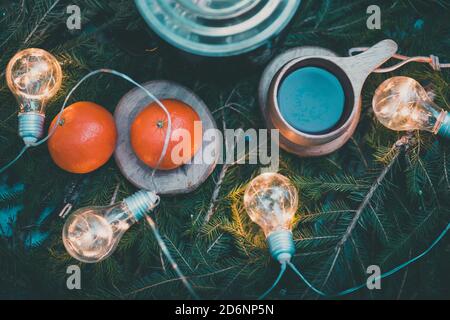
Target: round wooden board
[{"x": 181, "y": 180}]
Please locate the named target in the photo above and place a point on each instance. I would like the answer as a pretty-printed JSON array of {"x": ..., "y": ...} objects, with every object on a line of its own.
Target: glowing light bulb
[
  {"x": 402, "y": 104},
  {"x": 92, "y": 234},
  {"x": 271, "y": 201},
  {"x": 33, "y": 76}
]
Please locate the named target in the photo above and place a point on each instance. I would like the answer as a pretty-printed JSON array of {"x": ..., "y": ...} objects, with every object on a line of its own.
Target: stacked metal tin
[{"x": 218, "y": 28}]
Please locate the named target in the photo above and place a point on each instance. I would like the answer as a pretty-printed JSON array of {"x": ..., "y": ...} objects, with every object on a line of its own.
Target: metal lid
[{"x": 217, "y": 28}]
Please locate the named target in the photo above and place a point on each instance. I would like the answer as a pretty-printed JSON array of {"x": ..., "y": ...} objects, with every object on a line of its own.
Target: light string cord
[
  {"x": 353, "y": 289},
  {"x": 90, "y": 74},
  {"x": 277, "y": 280},
  {"x": 172, "y": 262},
  {"x": 19, "y": 155},
  {"x": 432, "y": 60},
  {"x": 163, "y": 153}
]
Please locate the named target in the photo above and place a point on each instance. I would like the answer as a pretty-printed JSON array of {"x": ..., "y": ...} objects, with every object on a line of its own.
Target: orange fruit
[
  {"x": 85, "y": 138},
  {"x": 149, "y": 129}
]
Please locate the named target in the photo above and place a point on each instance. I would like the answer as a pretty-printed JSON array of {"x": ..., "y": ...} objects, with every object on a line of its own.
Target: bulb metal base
[
  {"x": 444, "y": 129},
  {"x": 141, "y": 202},
  {"x": 31, "y": 126},
  {"x": 281, "y": 245}
]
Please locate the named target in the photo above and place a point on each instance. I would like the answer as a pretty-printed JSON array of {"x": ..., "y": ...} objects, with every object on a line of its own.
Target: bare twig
[
  {"x": 163, "y": 263},
  {"x": 216, "y": 192},
  {"x": 214, "y": 243},
  {"x": 19, "y": 16},
  {"x": 169, "y": 257},
  {"x": 444, "y": 155},
  {"x": 358, "y": 254},
  {"x": 179, "y": 279},
  {"x": 40, "y": 21},
  {"x": 403, "y": 142},
  {"x": 223, "y": 171},
  {"x": 405, "y": 276},
  {"x": 114, "y": 196}
]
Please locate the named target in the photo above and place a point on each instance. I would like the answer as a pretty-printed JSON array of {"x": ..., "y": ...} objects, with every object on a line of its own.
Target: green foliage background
[{"x": 400, "y": 196}]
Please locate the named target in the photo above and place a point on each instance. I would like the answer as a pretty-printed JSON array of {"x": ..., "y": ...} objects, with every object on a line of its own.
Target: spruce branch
[
  {"x": 214, "y": 243},
  {"x": 216, "y": 192},
  {"x": 403, "y": 142},
  {"x": 221, "y": 178},
  {"x": 333, "y": 186},
  {"x": 405, "y": 276},
  {"x": 40, "y": 22},
  {"x": 420, "y": 226},
  {"x": 226, "y": 166},
  {"x": 360, "y": 152},
  {"x": 19, "y": 16},
  {"x": 444, "y": 160},
  {"x": 180, "y": 279}
]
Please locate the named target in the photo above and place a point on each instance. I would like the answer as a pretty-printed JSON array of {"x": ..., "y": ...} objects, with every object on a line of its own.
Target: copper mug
[{"x": 351, "y": 73}]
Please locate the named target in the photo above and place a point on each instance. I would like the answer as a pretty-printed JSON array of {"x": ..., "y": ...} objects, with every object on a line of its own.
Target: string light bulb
[
  {"x": 271, "y": 201},
  {"x": 92, "y": 234},
  {"x": 402, "y": 104},
  {"x": 33, "y": 76}
]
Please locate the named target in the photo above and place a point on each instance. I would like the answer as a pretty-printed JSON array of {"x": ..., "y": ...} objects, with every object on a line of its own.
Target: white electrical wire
[
  {"x": 90, "y": 74},
  {"x": 163, "y": 153}
]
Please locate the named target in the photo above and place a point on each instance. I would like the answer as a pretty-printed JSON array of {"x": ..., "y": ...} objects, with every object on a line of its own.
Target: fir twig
[
  {"x": 179, "y": 279},
  {"x": 403, "y": 142},
  {"x": 40, "y": 22},
  {"x": 222, "y": 174}
]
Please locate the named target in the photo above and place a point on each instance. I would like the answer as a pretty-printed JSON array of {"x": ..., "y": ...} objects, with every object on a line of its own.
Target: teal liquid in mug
[{"x": 311, "y": 100}]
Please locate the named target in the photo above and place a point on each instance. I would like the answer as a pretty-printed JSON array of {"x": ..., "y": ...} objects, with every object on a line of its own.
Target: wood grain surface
[{"x": 184, "y": 179}]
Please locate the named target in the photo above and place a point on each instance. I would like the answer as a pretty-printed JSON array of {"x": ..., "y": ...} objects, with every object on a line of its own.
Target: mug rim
[{"x": 291, "y": 67}]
